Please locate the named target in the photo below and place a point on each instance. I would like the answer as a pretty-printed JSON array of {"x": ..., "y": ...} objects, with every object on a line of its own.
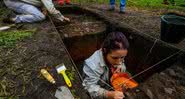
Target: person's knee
[{"x": 40, "y": 17}]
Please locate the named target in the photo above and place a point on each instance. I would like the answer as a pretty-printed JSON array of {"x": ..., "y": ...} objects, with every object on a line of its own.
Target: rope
[
  {"x": 150, "y": 50},
  {"x": 67, "y": 51},
  {"x": 155, "y": 64}
]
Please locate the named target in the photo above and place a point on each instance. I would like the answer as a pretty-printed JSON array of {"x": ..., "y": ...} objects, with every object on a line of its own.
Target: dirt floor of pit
[
  {"x": 21, "y": 65},
  {"x": 80, "y": 25}
]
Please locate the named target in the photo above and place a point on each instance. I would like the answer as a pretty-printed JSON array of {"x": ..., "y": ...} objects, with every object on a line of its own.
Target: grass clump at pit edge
[
  {"x": 157, "y": 4},
  {"x": 9, "y": 38}
]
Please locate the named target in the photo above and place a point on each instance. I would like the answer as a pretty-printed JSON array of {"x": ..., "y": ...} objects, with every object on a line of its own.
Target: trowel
[
  {"x": 63, "y": 92},
  {"x": 3, "y": 28}
]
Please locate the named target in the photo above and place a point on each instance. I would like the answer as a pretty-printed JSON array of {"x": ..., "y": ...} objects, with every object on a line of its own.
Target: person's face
[{"x": 116, "y": 57}]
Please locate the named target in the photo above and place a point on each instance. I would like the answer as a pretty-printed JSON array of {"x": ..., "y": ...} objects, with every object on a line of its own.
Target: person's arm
[
  {"x": 90, "y": 82},
  {"x": 53, "y": 11}
]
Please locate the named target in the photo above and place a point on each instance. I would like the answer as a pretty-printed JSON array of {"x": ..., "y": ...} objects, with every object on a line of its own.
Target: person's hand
[
  {"x": 115, "y": 95},
  {"x": 63, "y": 19},
  {"x": 118, "y": 69},
  {"x": 44, "y": 11},
  {"x": 66, "y": 19},
  {"x": 60, "y": 18}
]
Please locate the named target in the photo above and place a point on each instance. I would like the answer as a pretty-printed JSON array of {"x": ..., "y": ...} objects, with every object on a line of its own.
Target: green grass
[
  {"x": 70, "y": 74},
  {"x": 4, "y": 10},
  {"x": 154, "y": 3},
  {"x": 9, "y": 39},
  {"x": 151, "y": 4},
  {"x": 3, "y": 13}
]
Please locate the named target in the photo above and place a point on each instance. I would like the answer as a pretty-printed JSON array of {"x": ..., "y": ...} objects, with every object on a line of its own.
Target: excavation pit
[{"x": 87, "y": 30}]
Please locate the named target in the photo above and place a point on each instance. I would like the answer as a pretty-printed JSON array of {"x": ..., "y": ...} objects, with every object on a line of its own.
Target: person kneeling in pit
[{"x": 106, "y": 61}]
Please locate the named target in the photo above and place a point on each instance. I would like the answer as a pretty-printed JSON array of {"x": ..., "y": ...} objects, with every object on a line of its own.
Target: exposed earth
[{"x": 20, "y": 66}]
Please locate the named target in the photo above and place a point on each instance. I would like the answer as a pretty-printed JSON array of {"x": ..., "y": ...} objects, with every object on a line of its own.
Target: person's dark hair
[{"x": 115, "y": 41}]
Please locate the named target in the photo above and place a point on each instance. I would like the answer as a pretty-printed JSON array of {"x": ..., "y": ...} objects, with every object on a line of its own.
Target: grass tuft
[{"x": 9, "y": 39}]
